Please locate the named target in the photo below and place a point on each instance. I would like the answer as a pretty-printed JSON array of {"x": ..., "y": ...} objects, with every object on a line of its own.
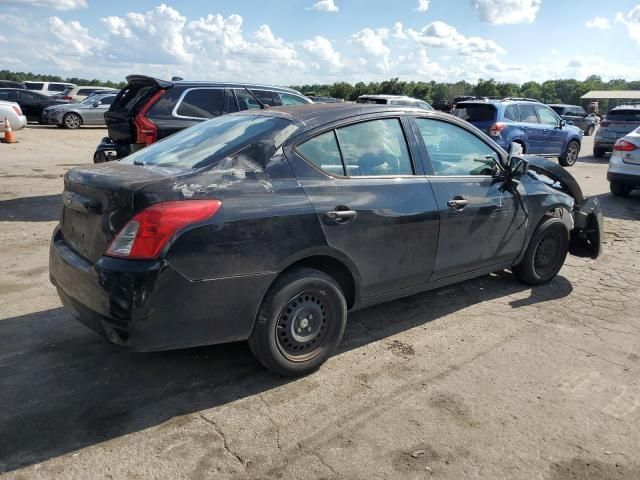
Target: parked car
[
  {"x": 465, "y": 98},
  {"x": 324, "y": 99},
  {"x": 537, "y": 128},
  {"x": 616, "y": 124},
  {"x": 149, "y": 109},
  {"x": 79, "y": 93},
  {"x": 48, "y": 88},
  {"x": 12, "y": 112},
  {"x": 624, "y": 165},
  {"x": 270, "y": 225},
  {"x": 11, "y": 84},
  {"x": 576, "y": 115},
  {"x": 394, "y": 100},
  {"x": 31, "y": 103},
  {"x": 74, "y": 115}
]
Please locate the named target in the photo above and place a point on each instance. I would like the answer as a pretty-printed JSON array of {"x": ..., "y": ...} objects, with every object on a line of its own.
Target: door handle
[
  {"x": 341, "y": 215},
  {"x": 458, "y": 203}
]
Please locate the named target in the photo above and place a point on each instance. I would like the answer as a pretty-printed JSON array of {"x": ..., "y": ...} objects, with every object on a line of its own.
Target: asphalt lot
[{"x": 486, "y": 379}]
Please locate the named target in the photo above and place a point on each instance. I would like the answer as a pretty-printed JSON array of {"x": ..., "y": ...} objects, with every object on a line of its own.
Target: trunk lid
[
  {"x": 98, "y": 201},
  {"x": 122, "y": 112}
]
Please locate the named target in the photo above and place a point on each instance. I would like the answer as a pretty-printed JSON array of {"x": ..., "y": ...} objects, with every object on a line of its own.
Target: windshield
[
  {"x": 212, "y": 140},
  {"x": 476, "y": 112},
  {"x": 630, "y": 115}
]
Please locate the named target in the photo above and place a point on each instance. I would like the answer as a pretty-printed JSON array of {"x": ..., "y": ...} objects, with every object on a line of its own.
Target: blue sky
[{"x": 308, "y": 41}]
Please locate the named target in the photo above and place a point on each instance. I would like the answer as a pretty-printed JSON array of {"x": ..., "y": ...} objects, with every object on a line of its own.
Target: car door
[
  {"x": 97, "y": 117},
  {"x": 553, "y": 135},
  {"x": 530, "y": 125},
  {"x": 31, "y": 105},
  {"x": 480, "y": 226},
  {"x": 373, "y": 208}
]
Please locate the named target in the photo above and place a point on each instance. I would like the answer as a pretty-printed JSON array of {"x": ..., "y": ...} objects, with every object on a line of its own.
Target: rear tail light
[
  {"x": 66, "y": 97},
  {"x": 16, "y": 108},
  {"x": 624, "y": 146},
  {"x": 146, "y": 234},
  {"x": 604, "y": 123},
  {"x": 496, "y": 129},
  {"x": 146, "y": 130}
]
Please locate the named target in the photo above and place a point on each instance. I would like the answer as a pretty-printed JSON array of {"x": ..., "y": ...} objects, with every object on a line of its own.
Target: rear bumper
[
  {"x": 108, "y": 150},
  {"x": 624, "y": 178},
  {"x": 148, "y": 305}
]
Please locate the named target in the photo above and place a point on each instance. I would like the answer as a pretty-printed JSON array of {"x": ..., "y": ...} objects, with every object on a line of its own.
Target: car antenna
[{"x": 262, "y": 105}]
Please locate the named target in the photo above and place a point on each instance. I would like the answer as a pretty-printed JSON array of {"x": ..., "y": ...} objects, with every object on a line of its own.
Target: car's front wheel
[
  {"x": 72, "y": 120},
  {"x": 300, "y": 322},
  {"x": 545, "y": 254},
  {"x": 570, "y": 154},
  {"x": 619, "y": 189},
  {"x": 590, "y": 130}
]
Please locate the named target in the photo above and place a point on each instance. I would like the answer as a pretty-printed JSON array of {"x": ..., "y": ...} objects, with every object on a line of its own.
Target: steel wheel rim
[
  {"x": 548, "y": 253},
  {"x": 72, "y": 121},
  {"x": 304, "y": 326},
  {"x": 572, "y": 152}
]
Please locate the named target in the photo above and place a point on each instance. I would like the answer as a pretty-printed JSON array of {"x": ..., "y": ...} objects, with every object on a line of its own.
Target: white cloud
[
  {"x": 321, "y": 49},
  {"x": 441, "y": 35},
  {"x": 3, "y": 39},
  {"x": 501, "y": 12},
  {"x": 423, "y": 6},
  {"x": 600, "y": 23},
  {"x": 72, "y": 38},
  {"x": 398, "y": 31},
  {"x": 373, "y": 42},
  {"x": 632, "y": 22},
  {"x": 324, "y": 6},
  {"x": 54, "y": 4}
]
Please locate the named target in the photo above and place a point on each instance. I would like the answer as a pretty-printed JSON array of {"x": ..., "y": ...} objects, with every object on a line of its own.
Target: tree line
[{"x": 437, "y": 93}]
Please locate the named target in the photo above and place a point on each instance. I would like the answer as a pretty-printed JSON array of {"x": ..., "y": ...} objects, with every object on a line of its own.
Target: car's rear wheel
[
  {"x": 598, "y": 152},
  {"x": 590, "y": 130},
  {"x": 300, "y": 322},
  {"x": 570, "y": 154},
  {"x": 545, "y": 254},
  {"x": 72, "y": 120},
  {"x": 619, "y": 189}
]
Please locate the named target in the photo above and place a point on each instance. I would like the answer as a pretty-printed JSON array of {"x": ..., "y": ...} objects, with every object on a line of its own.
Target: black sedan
[
  {"x": 270, "y": 225},
  {"x": 31, "y": 103}
]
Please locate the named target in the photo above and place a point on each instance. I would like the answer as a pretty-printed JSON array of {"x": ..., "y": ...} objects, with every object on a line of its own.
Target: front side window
[
  {"x": 202, "y": 103},
  {"x": 376, "y": 147},
  {"x": 547, "y": 117},
  {"x": 288, "y": 99},
  {"x": 107, "y": 100},
  {"x": 323, "y": 151},
  {"x": 528, "y": 114},
  {"x": 454, "y": 151}
]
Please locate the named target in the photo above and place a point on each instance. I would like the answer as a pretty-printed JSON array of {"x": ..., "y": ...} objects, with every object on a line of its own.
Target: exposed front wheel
[
  {"x": 570, "y": 154},
  {"x": 619, "y": 189},
  {"x": 72, "y": 120},
  {"x": 300, "y": 322},
  {"x": 590, "y": 130},
  {"x": 545, "y": 254}
]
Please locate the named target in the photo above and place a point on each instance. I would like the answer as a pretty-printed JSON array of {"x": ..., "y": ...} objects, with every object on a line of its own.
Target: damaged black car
[{"x": 270, "y": 225}]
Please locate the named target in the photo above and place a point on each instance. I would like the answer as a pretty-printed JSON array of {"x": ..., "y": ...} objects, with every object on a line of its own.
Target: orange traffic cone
[{"x": 8, "y": 134}]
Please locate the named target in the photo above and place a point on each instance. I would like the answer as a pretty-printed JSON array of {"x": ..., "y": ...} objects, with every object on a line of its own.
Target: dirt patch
[
  {"x": 589, "y": 469},
  {"x": 400, "y": 349}
]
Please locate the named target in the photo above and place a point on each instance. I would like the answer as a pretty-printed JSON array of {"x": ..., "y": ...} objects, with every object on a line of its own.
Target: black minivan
[{"x": 149, "y": 109}]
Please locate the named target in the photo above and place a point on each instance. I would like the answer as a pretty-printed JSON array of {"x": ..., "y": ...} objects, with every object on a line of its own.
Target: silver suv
[{"x": 616, "y": 124}]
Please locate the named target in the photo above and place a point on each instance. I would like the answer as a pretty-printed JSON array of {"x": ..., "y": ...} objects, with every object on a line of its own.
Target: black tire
[
  {"x": 99, "y": 157},
  {"x": 570, "y": 155},
  {"x": 302, "y": 297},
  {"x": 619, "y": 189},
  {"x": 72, "y": 121},
  {"x": 598, "y": 152},
  {"x": 545, "y": 254},
  {"x": 590, "y": 130}
]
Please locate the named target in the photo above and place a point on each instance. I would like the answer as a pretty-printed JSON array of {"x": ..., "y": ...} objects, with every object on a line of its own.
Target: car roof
[
  {"x": 201, "y": 83},
  {"x": 389, "y": 97},
  {"x": 562, "y": 105},
  {"x": 625, "y": 107}
]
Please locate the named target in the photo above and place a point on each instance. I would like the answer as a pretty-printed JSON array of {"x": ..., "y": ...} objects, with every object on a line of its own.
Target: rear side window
[
  {"x": 476, "y": 112},
  {"x": 630, "y": 115},
  {"x": 34, "y": 85},
  {"x": 376, "y": 147},
  {"x": 511, "y": 113},
  {"x": 268, "y": 98},
  {"x": 288, "y": 99},
  {"x": 528, "y": 114},
  {"x": 86, "y": 91},
  {"x": 323, "y": 151},
  {"x": 8, "y": 96},
  {"x": 57, "y": 87},
  {"x": 201, "y": 103}
]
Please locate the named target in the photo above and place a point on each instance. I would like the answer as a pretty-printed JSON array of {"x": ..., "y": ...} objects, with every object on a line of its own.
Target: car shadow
[
  {"x": 65, "y": 388},
  {"x": 622, "y": 208},
  {"x": 45, "y": 208}
]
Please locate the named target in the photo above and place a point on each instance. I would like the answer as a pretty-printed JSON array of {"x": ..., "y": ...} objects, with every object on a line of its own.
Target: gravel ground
[{"x": 485, "y": 379}]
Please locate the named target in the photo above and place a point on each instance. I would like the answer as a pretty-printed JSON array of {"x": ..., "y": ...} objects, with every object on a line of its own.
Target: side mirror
[
  {"x": 516, "y": 167},
  {"x": 96, "y": 104}
]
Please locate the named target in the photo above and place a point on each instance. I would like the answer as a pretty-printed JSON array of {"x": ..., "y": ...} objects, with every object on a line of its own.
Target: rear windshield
[
  {"x": 476, "y": 112},
  {"x": 213, "y": 140},
  {"x": 131, "y": 96},
  {"x": 631, "y": 115}
]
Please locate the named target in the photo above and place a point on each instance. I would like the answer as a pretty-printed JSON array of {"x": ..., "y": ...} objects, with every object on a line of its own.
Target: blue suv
[{"x": 528, "y": 122}]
